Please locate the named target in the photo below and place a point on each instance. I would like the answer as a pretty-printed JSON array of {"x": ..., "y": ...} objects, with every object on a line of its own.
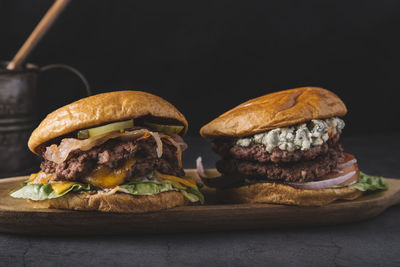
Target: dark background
[{"x": 208, "y": 56}]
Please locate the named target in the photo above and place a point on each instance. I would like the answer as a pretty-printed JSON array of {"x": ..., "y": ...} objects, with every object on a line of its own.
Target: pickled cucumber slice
[
  {"x": 83, "y": 134},
  {"x": 112, "y": 127},
  {"x": 168, "y": 129}
]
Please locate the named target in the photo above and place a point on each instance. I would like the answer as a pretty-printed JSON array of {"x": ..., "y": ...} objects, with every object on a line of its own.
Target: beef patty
[
  {"x": 302, "y": 171},
  {"x": 112, "y": 154},
  {"x": 257, "y": 152}
]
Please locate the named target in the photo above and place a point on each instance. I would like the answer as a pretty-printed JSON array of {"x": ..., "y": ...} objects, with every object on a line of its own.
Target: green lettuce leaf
[
  {"x": 364, "y": 184},
  {"x": 147, "y": 188},
  {"x": 190, "y": 197},
  {"x": 248, "y": 181},
  {"x": 146, "y": 185},
  {"x": 152, "y": 184},
  {"x": 370, "y": 183},
  {"x": 193, "y": 195},
  {"x": 45, "y": 191}
]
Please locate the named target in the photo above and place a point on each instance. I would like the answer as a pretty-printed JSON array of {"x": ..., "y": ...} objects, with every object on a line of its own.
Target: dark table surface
[{"x": 375, "y": 242}]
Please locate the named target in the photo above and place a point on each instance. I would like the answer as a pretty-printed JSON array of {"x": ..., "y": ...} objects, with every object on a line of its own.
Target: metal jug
[{"x": 18, "y": 115}]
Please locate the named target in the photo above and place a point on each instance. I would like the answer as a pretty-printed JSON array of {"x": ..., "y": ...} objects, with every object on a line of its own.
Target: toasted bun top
[
  {"x": 101, "y": 109},
  {"x": 279, "y": 109}
]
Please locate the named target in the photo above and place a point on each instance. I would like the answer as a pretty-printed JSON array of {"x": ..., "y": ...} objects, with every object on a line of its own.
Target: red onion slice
[
  {"x": 201, "y": 171},
  {"x": 347, "y": 173},
  {"x": 348, "y": 163},
  {"x": 355, "y": 181},
  {"x": 200, "y": 167},
  {"x": 325, "y": 183}
]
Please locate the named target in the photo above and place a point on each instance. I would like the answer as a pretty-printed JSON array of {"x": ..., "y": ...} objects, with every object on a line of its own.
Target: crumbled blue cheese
[
  {"x": 303, "y": 138},
  {"x": 319, "y": 132},
  {"x": 244, "y": 142},
  {"x": 335, "y": 124},
  {"x": 299, "y": 137}
]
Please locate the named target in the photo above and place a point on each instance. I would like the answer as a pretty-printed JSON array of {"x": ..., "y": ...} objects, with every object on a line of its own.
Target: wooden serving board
[{"x": 16, "y": 215}]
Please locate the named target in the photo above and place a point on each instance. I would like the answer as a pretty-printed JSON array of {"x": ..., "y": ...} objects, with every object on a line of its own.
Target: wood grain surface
[{"x": 16, "y": 215}]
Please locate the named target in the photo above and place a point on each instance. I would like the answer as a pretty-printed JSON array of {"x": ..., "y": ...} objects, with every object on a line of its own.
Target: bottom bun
[
  {"x": 276, "y": 193},
  {"x": 119, "y": 202}
]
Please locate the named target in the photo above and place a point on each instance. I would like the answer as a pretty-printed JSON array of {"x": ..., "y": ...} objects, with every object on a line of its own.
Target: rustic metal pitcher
[{"x": 18, "y": 115}]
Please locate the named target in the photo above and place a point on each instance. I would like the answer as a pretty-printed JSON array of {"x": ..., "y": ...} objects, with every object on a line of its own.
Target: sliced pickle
[
  {"x": 83, "y": 134},
  {"x": 101, "y": 130},
  {"x": 168, "y": 129}
]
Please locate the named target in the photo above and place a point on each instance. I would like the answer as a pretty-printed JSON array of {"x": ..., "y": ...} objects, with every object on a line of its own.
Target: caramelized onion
[
  {"x": 112, "y": 191},
  {"x": 59, "y": 154},
  {"x": 178, "y": 140},
  {"x": 157, "y": 138},
  {"x": 177, "y": 146},
  {"x": 123, "y": 190}
]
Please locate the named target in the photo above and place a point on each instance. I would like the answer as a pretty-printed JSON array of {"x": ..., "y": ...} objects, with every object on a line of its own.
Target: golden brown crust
[
  {"x": 275, "y": 110},
  {"x": 100, "y": 109},
  {"x": 119, "y": 202},
  {"x": 276, "y": 193}
]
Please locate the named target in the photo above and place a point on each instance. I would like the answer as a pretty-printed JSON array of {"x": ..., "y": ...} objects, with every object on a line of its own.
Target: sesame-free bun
[
  {"x": 119, "y": 202},
  {"x": 276, "y": 193},
  {"x": 101, "y": 109},
  {"x": 279, "y": 109}
]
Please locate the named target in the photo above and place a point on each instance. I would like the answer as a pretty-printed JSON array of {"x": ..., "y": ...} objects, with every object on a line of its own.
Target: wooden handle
[{"x": 37, "y": 34}]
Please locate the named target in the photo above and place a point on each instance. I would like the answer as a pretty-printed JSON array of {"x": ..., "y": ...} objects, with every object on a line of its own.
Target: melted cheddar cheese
[
  {"x": 62, "y": 186},
  {"x": 106, "y": 177},
  {"x": 40, "y": 178},
  {"x": 186, "y": 181}
]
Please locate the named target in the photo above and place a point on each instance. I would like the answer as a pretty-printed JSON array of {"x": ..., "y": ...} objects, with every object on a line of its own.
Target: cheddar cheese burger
[{"x": 112, "y": 152}]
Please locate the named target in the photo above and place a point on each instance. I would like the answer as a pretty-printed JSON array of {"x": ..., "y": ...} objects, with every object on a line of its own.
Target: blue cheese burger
[{"x": 284, "y": 148}]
